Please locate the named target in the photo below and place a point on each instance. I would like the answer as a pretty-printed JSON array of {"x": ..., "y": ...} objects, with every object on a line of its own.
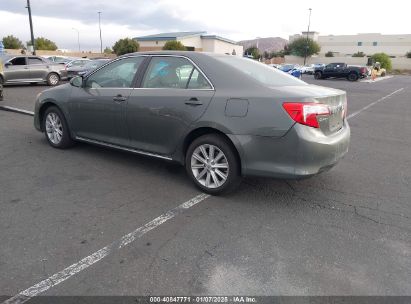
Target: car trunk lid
[{"x": 336, "y": 100}]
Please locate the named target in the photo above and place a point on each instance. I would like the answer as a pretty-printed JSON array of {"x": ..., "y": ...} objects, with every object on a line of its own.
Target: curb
[{"x": 16, "y": 110}]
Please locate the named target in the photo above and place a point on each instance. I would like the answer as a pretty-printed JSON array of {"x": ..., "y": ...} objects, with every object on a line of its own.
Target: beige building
[
  {"x": 194, "y": 41},
  {"x": 369, "y": 43}
]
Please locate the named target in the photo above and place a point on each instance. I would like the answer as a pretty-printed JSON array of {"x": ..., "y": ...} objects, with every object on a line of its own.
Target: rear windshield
[{"x": 261, "y": 72}]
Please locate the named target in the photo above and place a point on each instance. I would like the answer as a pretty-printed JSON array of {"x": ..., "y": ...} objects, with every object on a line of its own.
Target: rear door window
[
  {"x": 198, "y": 81},
  {"x": 35, "y": 60},
  {"x": 175, "y": 73}
]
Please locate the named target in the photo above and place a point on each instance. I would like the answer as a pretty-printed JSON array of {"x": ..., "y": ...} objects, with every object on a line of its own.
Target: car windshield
[
  {"x": 94, "y": 64},
  {"x": 261, "y": 72}
]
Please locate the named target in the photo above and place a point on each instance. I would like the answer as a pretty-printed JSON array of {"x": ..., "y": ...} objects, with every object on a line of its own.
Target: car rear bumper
[{"x": 302, "y": 152}]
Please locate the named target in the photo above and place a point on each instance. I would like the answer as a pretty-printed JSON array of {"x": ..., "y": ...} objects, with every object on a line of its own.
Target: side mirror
[
  {"x": 7, "y": 64},
  {"x": 77, "y": 81}
]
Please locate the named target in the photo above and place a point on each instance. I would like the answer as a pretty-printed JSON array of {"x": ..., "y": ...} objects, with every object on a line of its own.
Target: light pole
[
  {"x": 306, "y": 47},
  {"x": 258, "y": 40},
  {"x": 99, "y": 25},
  {"x": 31, "y": 27},
  {"x": 78, "y": 38}
]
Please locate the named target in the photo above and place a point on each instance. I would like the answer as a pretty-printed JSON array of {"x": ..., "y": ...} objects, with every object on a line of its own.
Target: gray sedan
[
  {"x": 221, "y": 116},
  {"x": 30, "y": 69}
]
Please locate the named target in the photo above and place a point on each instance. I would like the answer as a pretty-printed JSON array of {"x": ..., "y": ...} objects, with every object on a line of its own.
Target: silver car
[
  {"x": 30, "y": 69},
  {"x": 221, "y": 116}
]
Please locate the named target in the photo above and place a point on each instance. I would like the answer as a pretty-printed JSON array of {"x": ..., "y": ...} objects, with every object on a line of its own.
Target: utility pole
[
  {"x": 306, "y": 47},
  {"x": 31, "y": 27},
  {"x": 78, "y": 38},
  {"x": 99, "y": 25}
]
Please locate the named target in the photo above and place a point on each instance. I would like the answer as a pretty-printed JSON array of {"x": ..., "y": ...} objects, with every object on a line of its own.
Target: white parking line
[
  {"x": 373, "y": 103},
  {"x": 97, "y": 256}
]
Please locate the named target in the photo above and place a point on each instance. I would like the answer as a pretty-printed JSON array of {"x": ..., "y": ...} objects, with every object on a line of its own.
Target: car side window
[
  {"x": 198, "y": 81},
  {"x": 168, "y": 72},
  {"x": 35, "y": 60},
  {"x": 18, "y": 61},
  {"x": 118, "y": 74}
]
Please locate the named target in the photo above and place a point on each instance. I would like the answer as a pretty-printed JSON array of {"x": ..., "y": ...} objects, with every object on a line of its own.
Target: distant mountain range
[{"x": 270, "y": 44}]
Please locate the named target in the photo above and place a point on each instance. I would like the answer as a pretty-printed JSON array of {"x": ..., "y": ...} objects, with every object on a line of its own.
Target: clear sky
[{"x": 233, "y": 19}]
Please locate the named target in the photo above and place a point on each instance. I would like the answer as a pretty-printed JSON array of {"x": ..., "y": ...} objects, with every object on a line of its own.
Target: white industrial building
[
  {"x": 193, "y": 41},
  {"x": 369, "y": 43}
]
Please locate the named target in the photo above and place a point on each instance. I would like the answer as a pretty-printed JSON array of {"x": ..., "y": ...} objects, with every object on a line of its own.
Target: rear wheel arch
[{"x": 196, "y": 133}]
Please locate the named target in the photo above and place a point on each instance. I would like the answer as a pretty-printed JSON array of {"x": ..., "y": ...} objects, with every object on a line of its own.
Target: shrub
[
  {"x": 11, "y": 42},
  {"x": 359, "y": 54},
  {"x": 125, "y": 46},
  {"x": 303, "y": 46},
  {"x": 329, "y": 54},
  {"x": 408, "y": 54},
  {"x": 384, "y": 60},
  {"x": 174, "y": 45}
]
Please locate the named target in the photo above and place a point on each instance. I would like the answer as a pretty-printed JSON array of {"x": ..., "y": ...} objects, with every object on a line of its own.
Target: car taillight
[
  {"x": 345, "y": 109},
  {"x": 306, "y": 113}
]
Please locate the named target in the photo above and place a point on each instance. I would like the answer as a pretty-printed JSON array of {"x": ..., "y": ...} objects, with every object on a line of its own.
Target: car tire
[
  {"x": 56, "y": 129},
  {"x": 53, "y": 79},
  {"x": 213, "y": 165},
  {"x": 1, "y": 80},
  {"x": 352, "y": 77},
  {"x": 383, "y": 74},
  {"x": 318, "y": 75}
]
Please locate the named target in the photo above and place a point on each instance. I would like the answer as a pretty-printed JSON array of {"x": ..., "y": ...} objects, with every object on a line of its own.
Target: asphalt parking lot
[{"x": 344, "y": 232}]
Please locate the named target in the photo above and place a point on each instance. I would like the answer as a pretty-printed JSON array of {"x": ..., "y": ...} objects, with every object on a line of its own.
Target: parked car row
[
  {"x": 30, "y": 69},
  {"x": 332, "y": 70},
  {"x": 36, "y": 69}
]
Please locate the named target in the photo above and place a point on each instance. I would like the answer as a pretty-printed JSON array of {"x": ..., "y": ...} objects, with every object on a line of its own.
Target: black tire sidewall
[
  {"x": 66, "y": 140},
  {"x": 318, "y": 75},
  {"x": 48, "y": 79},
  {"x": 234, "y": 176},
  {"x": 355, "y": 77}
]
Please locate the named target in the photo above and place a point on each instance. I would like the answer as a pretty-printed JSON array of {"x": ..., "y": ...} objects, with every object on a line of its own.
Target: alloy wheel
[
  {"x": 209, "y": 166},
  {"x": 54, "y": 128},
  {"x": 53, "y": 79}
]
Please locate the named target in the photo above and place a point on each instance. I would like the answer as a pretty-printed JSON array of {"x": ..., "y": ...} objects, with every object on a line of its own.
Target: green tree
[
  {"x": 408, "y": 54},
  {"x": 174, "y": 45},
  {"x": 329, "y": 54},
  {"x": 384, "y": 59},
  {"x": 253, "y": 51},
  {"x": 359, "y": 54},
  {"x": 125, "y": 46},
  {"x": 11, "y": 42},
  {"x": 302, "y": 46},
  {"x": 107, "y": 50},
  {"x": 42, "y": 43}
]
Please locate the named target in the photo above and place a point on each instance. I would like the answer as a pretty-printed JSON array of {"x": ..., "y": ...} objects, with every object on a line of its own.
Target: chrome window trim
[
  {"x": 193, "y": 63},
  {"x": 159, "y": 55},
  {"x": 79, "y": 138}
]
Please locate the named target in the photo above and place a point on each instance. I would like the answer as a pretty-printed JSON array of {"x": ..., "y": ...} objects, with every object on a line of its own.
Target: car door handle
[
  {"x": 193, "y": 101},
  {"x": 119, "y": 98}
]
